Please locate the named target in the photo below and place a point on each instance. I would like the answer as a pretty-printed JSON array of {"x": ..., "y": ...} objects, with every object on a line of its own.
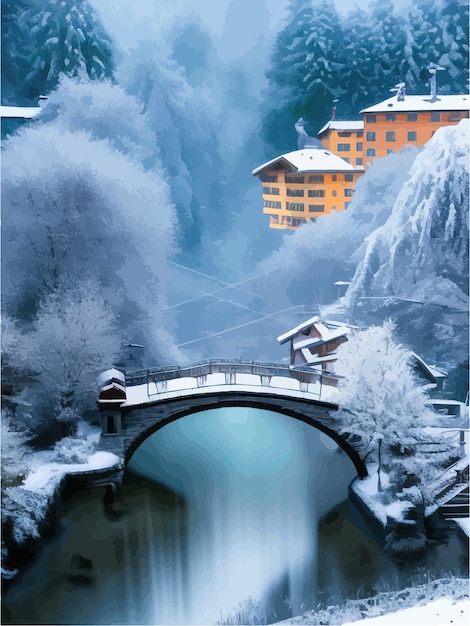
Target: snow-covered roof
[
  {"x": 421, "y": 103},
  {"x": 294, "y": 331},
  {"x": 111, "y": 374},
  {"x": 431, "y": 370},
  {"x": 19, "y": 112},
  {"x": 310, "y": 160},
  {"x": 340, "y": 125},
  {"x": 328, "y": 331}
]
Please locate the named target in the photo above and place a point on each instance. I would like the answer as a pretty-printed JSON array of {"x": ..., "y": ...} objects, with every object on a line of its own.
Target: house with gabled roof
[{"x": 313, "y": 347}]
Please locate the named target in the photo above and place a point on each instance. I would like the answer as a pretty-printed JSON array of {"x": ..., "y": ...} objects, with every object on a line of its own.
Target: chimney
[{"x": 433, "y": 69}]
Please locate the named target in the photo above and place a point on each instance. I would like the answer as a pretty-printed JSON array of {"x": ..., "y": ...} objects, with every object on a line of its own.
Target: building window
[
  {"x": 111, "y": 425},
  {"x": 274, "y": 219},
  {"x": 271, "y": 191},
  {"x": 412, "y": 136},
  {"x": 294, "y": 179},
  {"x": 346, "y": 204},
  {"x": 370, "y": 135},
  {"x": 454, "y": 116},
  {"x": 347, "y": 159},
  {"x": 316, "y": 208},
  {"x": 317, "y": 178},
  {"x": 344, "y": 133},
  {"x": 359, "y": 161},
  {"x": 360, "y": 134},
  {"x": 268, "y": 178},
  {"x": 298, "y": 193},
  {"x": 348, "y": 192},
  {"x": 334, "y": 178},
  {"x": 344, "y": 147},
  {"x": 435, "y": 117},
  {"x": 390, "y": 136},
  {"x": 348, "y": 177},
  {"x": 412, "y": 117},
  {"x": 389, "y": 151},
  {"x": 371, "y": 119},
  {"x": 272, "y": 204},
  {"x": 370, "y": 152},
  {"x": 334, "y": 193},
  {"x": 295, "y": 206},
  {"x": 298, "y": 221},
  {"x": 316, "y": 193},
  {"x": 359, "y": 146},
  {"x": 390, "y": 117}
]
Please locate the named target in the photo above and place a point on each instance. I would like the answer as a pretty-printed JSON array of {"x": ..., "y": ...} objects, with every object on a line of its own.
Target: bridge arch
[{"x": 316, "y": 415}]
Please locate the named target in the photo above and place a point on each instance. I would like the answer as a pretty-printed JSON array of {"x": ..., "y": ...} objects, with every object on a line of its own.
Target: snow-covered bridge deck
[{"x": 135, "y": 405}]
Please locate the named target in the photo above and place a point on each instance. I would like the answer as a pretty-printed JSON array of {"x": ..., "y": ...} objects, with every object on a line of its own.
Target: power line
[
  {"x": 228, "y": 330},
  {"x": 211, "y": 293}
]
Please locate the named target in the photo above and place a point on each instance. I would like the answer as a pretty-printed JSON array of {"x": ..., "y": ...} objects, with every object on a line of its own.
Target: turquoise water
[{"x": 232, "y": 514}]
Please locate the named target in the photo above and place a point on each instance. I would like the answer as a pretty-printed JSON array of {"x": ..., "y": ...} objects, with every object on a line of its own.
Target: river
[{"x": 232, "y": 515}]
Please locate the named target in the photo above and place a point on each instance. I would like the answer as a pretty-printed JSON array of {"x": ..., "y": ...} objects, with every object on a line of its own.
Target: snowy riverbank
[
  {"x": 26, "y": 509},
  {"x": 433, "y": 604}
]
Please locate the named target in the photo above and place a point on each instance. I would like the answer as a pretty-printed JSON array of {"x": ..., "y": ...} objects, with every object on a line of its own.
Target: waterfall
[{"x": 254, "y": 483}]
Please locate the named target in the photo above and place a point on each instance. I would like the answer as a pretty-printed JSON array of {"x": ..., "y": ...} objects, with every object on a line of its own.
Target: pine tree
[
  {"x": 63, "y": 37},
  {"x": 453, "y": 19},
  {"x": 386, "y": 43},
  {"x": 422, "y": 46},
  {"x": 357, "y": 58},
  {"x": 286, "y": 98},
  {"x": 16, "y": 52},
  {"x": 324, "y": 61}
]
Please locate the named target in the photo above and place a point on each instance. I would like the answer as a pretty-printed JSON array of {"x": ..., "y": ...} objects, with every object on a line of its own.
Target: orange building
[
  {"x": 303, "y": 185},
  {"x": 344, "y": 139},
  {"x": 412, "y": 120}
]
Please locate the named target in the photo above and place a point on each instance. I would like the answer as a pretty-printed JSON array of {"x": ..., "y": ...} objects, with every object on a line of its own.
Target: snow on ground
[
  {"x": 48, "y": 467},
  {"x": 26, "y": 506},
  {"x": 438, "y": 613},
  {"x": 435, "y": 603},
  {"x": 367, "y": 491},
  {"x": 49, "y": 475}
]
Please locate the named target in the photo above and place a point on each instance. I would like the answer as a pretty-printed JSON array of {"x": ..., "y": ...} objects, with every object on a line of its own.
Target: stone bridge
[{"x": 136, "y": 404}]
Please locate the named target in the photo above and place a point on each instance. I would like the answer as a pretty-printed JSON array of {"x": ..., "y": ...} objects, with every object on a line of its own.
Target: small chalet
[{"x": 313, "y": 347}]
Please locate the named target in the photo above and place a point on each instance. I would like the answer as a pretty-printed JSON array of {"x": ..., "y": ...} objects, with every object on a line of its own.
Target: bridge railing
[{"x": 216, "y": 366}]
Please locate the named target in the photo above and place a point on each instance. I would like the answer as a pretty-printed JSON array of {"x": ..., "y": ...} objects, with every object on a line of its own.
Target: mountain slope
[{"x": 421, "y": 253}]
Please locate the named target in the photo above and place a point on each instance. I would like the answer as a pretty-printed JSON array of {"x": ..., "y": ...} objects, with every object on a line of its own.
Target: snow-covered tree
[
  {"x": 453, "y": 19},
  {"x": 185, "y": 120},
  {"x": 380, "y": 400},
  {"x": 14, "y": 449},
  {"x": 324, "y": 61},
  {"x": 106, "y": 112},
  {"x": 73, "y": 338},
  {"x": 55, "y": 37},
  {"x": 286, "y": 98}
]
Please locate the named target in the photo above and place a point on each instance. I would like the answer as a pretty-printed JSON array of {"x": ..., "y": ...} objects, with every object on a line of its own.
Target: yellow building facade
[
  {"x": 300, "y": 186},
  {"x": 412, "y": 120},
  {"x": 346, "y": 139},
  {"x": 320, "y": 177}
]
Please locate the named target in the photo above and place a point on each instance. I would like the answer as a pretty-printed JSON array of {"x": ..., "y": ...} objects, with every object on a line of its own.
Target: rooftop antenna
[
  {"x": 333, "y": 112},
  {"x": 433, "y": 69},
  {"x": 400, "y": 88}
]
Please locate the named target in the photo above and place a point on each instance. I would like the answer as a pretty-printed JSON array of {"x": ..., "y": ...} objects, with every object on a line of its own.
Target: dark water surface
[{"x": 232, "y": 510}]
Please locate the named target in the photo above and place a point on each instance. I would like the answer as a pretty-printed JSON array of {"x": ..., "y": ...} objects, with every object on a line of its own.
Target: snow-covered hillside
[{"x": 421, "y": 253}]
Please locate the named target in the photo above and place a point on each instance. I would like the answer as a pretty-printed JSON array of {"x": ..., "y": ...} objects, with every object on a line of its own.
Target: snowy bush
[
  {"x": 24, "y": 512},
  {"x": 14, "y": 450},
  {"x": 71, "y": 450}
]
